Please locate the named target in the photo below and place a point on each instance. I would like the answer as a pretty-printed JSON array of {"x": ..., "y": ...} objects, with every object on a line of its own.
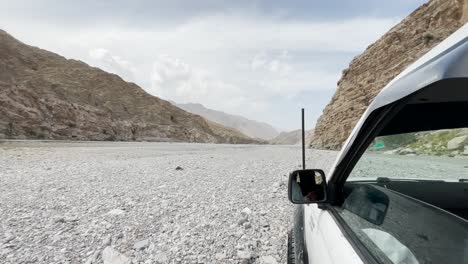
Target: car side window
[{"x": 405, "y": 200}]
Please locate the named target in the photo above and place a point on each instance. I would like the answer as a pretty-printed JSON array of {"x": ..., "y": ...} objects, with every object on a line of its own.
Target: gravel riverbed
[{"x": 119, "y": 202}]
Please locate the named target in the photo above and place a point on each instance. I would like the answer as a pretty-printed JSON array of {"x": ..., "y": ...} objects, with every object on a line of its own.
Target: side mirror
[{"x": 307, "y": 186}]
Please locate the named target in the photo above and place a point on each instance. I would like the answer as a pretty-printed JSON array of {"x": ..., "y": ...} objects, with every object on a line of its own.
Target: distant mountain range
[
  {"x": 292, "y": 137},
  {"x": 46, "y": 96},
  {"x": 251, "y": 128}
]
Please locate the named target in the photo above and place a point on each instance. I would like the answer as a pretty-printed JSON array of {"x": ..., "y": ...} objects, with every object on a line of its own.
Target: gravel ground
[{"x": 146, "y": 202}]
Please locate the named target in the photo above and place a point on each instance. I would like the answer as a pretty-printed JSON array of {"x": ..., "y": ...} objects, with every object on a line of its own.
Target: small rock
[
  {"x": 142, "y": 244},
  {"x": 179, "y": 168},
  {"x": 59, "y": 220},
  {"x": 120, "y": 236},
  {"x": 246, "y": 211},
  {"x": 93, "y": 258},
  {"x": 220, "y": 256},
  {"x": 406, "y": 151},
  {"x": 106, "y": 241},
  {"x": 161, "y": 258},
  {"x": 268, "y": 260},
  {"x": 244, "y": 254},
  {"x": 8, "y": 237},
  {"x": 116, "y": 212},
  {"x": 242, "y": 221},
  {"x": 112, "y": 256},
  {"x": 457, "y": 142}
]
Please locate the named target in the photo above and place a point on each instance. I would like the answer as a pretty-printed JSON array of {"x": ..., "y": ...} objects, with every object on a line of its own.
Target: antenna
[{"x": 303, "y": 141}]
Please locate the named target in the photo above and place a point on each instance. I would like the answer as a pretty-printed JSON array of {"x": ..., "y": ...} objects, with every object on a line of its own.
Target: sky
[{"x": 262, "y": 59}]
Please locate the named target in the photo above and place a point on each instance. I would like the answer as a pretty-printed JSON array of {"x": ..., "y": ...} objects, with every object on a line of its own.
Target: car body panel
[{"x": 325, "y": 241}]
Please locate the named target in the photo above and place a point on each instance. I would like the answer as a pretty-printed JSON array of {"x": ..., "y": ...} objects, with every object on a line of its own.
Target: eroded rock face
[
  {"x": 46, "y": 96},
  {"x": 381, "y": 62}
]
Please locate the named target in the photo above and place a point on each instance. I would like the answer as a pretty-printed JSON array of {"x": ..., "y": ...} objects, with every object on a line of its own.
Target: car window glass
[
  {"x": 390, "y": 246},
  {"x": 439, "y": 155},
  {"x": 406, "y": 198}
]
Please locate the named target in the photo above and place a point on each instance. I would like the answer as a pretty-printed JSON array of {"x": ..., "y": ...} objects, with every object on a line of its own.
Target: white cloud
[
  {"x": 234, "y": 63},
  {"x": 173, "y": 79},
  {"x": 103, "y": 59}
]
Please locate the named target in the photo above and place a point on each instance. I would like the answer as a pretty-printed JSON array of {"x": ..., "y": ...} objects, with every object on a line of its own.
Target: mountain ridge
[
  {"x": 383, "y": 60},
  {"x": 251, "y": 128},
  {"x": 45, "y": 96}
]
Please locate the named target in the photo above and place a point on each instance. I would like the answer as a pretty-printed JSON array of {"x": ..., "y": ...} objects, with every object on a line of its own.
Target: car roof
[{"x": 448, "y": 60}]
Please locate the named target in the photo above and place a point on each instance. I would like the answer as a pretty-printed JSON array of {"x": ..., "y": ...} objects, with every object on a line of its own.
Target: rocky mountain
[
  {"x": 46, "y": 96},
  {"x": 292, "y": 137},
  {"x": 368, "y": 73},
  {"x": 251, "y": 128}
]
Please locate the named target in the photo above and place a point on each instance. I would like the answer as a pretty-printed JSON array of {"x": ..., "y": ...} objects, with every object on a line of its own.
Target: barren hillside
[
  {"x": 249, "y": 127},
  {"x": 368, "y": 73},
  {"x": 46, "y": 96}
]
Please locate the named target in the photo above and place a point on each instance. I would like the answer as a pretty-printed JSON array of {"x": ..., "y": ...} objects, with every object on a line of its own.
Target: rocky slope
[
  {"x": 249, "y": 127},
  {"x": 292, "y": 137},
  {"x": 382, "y": 61},
  {"x": 46, "y": 96}
]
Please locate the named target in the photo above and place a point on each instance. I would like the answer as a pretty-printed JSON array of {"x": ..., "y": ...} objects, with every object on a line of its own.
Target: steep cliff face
[
  {"x": 368, "y": 73},
  {"x": 45, "y": 96}
]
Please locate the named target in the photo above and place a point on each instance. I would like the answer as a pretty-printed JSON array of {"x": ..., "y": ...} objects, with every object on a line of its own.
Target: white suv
[{"x": 398, "y": 191}]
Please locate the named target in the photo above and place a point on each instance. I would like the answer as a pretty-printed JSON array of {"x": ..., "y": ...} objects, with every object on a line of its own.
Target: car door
[{"x": 325, "y": 241}]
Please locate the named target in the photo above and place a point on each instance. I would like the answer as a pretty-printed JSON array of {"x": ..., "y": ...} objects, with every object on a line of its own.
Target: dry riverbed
[{"x": 116, "y": 202}]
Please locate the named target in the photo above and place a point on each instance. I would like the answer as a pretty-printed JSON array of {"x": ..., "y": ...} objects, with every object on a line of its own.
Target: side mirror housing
[{"x": 307, "y": 186}]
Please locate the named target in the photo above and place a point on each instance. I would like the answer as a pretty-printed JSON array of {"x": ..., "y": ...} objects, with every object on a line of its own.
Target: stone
[
  {"x": 244, "y": 254},
  {"x": 220, "y": 256},
  {"x": 406, "y": 151},
  {"x": 116, "y": 212},
  {"x": 268, "y": 260},
  {"x": 93, "y": 257},
  {"x": 161, "y": 258},
  {"x": 179, "y": 168},
  {"x": 107, "y": 241},
  {"x": 142, "y": 244},
  {"x": 457, "y": 142},
  {"x": 112, "y": 256},
  {"x": 246, "y": 211},
  {"x": 242, "y": 221},
  {"x": 8, "y": 238}
]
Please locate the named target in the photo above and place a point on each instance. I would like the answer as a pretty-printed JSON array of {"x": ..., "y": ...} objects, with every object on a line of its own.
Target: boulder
[
  {"x": 406, "y": 151},
  {"x": 112, "y": 256},
  {"x": 457, "y": 142}
]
